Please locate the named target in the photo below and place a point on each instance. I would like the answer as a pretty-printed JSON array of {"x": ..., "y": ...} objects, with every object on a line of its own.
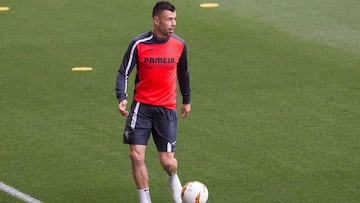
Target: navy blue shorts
[{"x": 144, "y": 120}]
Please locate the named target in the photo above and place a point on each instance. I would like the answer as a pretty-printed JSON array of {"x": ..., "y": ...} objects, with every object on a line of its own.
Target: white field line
[{"x": 16, "y": 193}]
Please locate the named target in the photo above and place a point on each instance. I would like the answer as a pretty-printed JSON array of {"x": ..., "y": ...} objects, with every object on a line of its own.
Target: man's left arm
[{"x": 184, "y": 83}]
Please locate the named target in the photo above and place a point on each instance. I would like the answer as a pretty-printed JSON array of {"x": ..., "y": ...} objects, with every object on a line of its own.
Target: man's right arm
[{"x": 128, "y": 62}]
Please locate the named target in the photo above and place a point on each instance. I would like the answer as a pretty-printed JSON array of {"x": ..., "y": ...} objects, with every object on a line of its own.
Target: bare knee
[
  {"x": 169, "y": 163},
  {"x": 136, "y": 155}
]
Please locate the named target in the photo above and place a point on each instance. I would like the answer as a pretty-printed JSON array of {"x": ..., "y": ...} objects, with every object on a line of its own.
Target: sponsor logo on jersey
[{"x": 159, "y": 60}]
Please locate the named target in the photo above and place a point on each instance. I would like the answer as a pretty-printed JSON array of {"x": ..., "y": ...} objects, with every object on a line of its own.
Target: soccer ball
[{"x": 194, "y": 192}]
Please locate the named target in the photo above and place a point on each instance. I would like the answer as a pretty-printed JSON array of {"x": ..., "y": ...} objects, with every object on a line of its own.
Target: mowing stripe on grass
[{"x": 16, "y": 193}]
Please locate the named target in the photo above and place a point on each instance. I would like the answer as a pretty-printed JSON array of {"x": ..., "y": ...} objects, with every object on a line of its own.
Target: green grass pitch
[{"x": 275, "y": 105}]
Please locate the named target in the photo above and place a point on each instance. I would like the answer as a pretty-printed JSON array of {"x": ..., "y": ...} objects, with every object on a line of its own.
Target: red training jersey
[{"x": 160, "y": 63}]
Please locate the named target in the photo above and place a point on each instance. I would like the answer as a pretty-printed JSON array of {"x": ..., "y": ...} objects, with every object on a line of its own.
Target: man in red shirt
[{"x": 161, "y": 60}]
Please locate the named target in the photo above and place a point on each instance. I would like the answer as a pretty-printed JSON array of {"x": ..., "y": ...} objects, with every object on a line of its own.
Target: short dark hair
[{"x": 160, "y": 6}]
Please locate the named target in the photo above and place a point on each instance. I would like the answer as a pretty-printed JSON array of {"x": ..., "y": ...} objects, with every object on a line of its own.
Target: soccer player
[{"x": 161, "y": 60}]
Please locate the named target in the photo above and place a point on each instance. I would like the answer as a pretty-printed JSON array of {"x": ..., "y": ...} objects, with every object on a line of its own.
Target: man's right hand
[{"x": 122, "y": 108}]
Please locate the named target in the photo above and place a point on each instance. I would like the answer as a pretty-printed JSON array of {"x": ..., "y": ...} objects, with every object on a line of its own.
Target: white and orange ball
[{"x": 194, "y": 192}]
